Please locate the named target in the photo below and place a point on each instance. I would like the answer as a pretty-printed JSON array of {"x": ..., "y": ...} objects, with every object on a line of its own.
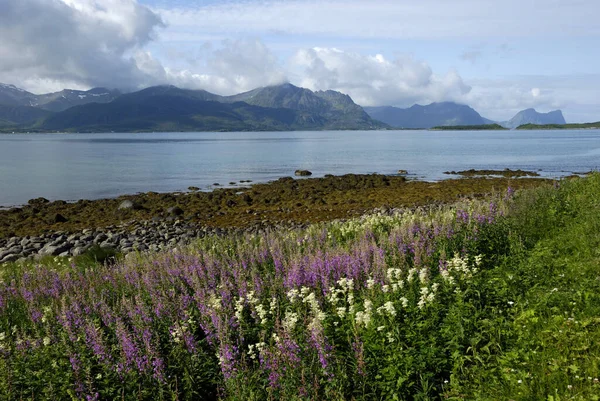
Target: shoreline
[{"x": 157, "y": 221}]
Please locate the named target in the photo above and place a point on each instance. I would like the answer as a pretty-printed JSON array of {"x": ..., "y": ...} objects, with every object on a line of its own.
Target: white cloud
[
  {"x": 375, "y": 80},
  {"x": 79, "y": 42},
  {"x": 391, "y": 18}
]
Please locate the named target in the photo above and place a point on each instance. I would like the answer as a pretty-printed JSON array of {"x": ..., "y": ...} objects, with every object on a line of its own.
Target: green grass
[{"x": 520, "y": 320}]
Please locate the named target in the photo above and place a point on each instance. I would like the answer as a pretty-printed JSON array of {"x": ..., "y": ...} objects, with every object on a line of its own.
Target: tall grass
[{"x": 479, "y": 300}]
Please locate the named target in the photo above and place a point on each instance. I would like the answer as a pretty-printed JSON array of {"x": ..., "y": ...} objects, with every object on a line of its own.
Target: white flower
[
  {"x": 370, "y": 283},
  {"x": 404, "y": 301},
  {"x": 390, "y": 337},
  {"x": 293, "y": 294},
  {"x": 341, "y": 311},
  {"x": 290, "y": 320},
  {"x": 380, "y": 328},
  {"x": 2, "y": 336},
  {"x": 385, "y": 288},
  {"x": 262, "y": 313},
  {"x": 239, "y": 308},
  {"x": 47, "y": 341}
]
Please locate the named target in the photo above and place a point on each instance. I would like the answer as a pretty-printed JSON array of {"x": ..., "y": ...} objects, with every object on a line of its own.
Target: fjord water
[{"x": 92, "y": 166}]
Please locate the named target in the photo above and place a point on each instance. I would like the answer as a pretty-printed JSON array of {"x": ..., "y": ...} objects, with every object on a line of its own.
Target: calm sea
[{"x": 92, "y": 166}]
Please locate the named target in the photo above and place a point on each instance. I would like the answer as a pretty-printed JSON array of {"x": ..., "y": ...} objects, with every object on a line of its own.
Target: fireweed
[{"x": 312, "y": 313}]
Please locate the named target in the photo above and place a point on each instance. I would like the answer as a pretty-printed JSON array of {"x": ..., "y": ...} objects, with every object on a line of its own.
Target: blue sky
[{"x": 498, "y": 57}]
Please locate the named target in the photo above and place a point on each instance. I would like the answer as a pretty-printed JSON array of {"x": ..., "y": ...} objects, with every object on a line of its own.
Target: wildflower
[
  {"x": 46, "y": 341},
  {"x": 519, "y": 381},
  {"x": 387, "y": 308},
  {"x": 404, "y": 301},
  {"x": 239, "y": 308},
  {"x": 293, "y": 294},
  {"x": 380, "y": 328},
  {"x": 262, "y": 313},
  {"x": 370, "y": 283},
  {"x": 2, "y": 336},
  {"x": 390, "y": 337},
  {"x": 385, "y": 288},
  {"x": 341, "y": 311},
  {"x": 364, "y": 317},
  {"x": 289, "y": 321}
]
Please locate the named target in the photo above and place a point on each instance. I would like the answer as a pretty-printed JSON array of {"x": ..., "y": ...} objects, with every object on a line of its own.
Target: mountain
[
  {"x": 432, "y": 115},
  {"x": 15, "y": 116},
  {"x": 168, "y": 108},
  {"x": 331, "y": 109},
  {"x": 530, "y": 116},
  {"x": 60, "y": 101},
  {"x": 10, "y": 95}
]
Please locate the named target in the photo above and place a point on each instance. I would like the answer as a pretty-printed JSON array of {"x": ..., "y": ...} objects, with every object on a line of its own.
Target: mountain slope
[
  {"x": 14, "y": 116},
  {"x": 531, "y": 116},
  {"x": 168, "y": 109},
  {"x": 432, "y": 115},
  {"x": 60, "y": 101},
  {"x": 10, "y": 95},
  {"x": 332, "y": 109}
]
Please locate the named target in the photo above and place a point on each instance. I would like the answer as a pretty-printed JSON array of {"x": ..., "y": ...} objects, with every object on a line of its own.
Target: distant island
[
  {"x": 595, "y": 125},
  {"x": 484, "y": 127}
]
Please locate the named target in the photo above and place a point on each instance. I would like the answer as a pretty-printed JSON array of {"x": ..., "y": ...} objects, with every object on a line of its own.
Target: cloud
[
  {"x": 389, "y": 19},
  {"x": 375, "y": 80},
  {"x": 80, "y": 42},
  {"x": 235, "y": 66}
]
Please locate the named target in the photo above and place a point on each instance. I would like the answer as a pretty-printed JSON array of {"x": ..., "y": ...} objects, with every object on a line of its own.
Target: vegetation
[
  {"x": 494, "y": 299},
  {"x": 484, "y": 127},
  {"x": 286, "y": 201},
  {"x": 595, "y": 125}
]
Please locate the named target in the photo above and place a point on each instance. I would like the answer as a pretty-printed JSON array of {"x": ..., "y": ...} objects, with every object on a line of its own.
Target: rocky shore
[
  {"x": 154, "y": 222},
  {"x": 142, "y": 236}
]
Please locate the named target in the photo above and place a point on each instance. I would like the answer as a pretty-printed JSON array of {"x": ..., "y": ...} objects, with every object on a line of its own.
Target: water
[{"x": 92, "y": 166}]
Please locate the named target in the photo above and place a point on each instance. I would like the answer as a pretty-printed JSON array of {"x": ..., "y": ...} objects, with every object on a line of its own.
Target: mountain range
[
  {"x": 168, "y": 108},
  {"x": 454, "y": 114},
  {"x": 274, "y": 108}
]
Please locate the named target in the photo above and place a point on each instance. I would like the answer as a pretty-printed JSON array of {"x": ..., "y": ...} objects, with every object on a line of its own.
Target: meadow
[{"x": 491, "y": 299}]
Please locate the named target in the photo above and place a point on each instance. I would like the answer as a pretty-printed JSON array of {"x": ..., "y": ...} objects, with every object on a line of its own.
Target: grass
[{"x": 484, "y": 299}]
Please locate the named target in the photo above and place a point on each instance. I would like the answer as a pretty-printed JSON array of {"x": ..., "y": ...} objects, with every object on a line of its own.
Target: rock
[
  {"x": 38, "y": 201},
  {"x": 194, "y": 188},
  {"x": 54, "y": 250},
  {"x": 77, "y": 251},
  {"x": 10, "y": 258},
  {"x": 175, "y": 210},
  {"x": 58, "y": 218},
  {"x": 302, "y": 173},
  {"x": 129, "y": 205},
  {"x": 402, "y": 172}
]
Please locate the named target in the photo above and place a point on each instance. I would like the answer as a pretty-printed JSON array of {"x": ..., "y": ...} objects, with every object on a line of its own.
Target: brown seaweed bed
[{"x": 286, "y": 201}]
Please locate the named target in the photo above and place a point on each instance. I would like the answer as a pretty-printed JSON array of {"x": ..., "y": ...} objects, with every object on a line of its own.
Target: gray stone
[
  {"x": 175, "y": 210},
  {"x": 129, "y": 205},
  {"x": 302, "y": 173},
  {"x": 54, "y": 250},
  {"x": 9, "y": 258}
]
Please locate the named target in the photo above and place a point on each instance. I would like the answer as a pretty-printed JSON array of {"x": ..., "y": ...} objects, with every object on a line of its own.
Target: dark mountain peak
[
  {"x": 427, "y": 116},
  {"x": 532, "y": 116}
]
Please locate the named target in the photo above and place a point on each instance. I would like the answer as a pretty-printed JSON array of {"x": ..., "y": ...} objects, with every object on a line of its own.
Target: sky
[{"x": 499, "y": 57}]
